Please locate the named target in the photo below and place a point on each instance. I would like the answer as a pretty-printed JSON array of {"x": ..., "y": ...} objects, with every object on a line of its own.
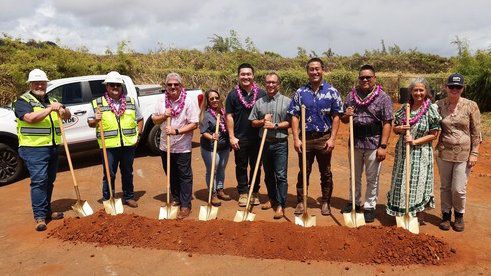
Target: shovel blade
[
  {"x": 113, "y": 206},
  {"x": 354, "y": 219},
  {"x": 241, "y": 216},
  {"x": 305, "y": 220},
  {"x": 409, "y": 223},
  {"x": 168, "y": 212},
  {"x": 82, "y": 209},
  {"x": 207, "y": 212}
]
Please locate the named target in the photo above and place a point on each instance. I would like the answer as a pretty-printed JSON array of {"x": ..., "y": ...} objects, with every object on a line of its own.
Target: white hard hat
[
  {"x": 113, "y": 77},
  {"x": 37, "y": 75}
]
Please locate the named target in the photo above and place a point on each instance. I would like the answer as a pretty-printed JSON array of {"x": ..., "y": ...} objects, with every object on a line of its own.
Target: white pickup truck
[{"x": 77, "y": 93}]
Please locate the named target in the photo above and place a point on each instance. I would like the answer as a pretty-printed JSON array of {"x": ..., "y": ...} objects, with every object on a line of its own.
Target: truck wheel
[
  {"x": 11, "y": 166},
  {"x": 153, "y": 140}
]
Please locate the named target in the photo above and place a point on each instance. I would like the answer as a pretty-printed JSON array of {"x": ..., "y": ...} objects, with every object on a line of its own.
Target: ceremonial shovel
[
  {"x": 408, "y": 221},
  {"x": 113, "y": 206},
  {"x": 305, "y": 219},
  {"x": 353, "y": 219},
  {"x": 168, "y": 211},
  {"x": 209, "y": 212},
  {"x": 247, "y": 214},
  {"x": 81, "y": 207}
]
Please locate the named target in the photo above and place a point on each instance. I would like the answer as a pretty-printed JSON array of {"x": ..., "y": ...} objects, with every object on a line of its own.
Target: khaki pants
[
  {"x": 366, "y": 159},
  {"x": 453, "y": 178}
]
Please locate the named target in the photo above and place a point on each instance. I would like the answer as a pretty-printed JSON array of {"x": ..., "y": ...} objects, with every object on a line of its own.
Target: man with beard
[
  {"x": 39, "y": 135},
  {"x": 269, "y": 113},
  {"x": 123, "y": 125},
  {"x": 184, "y": 113},
  {"x": 323, "y": 106},
  {"x": 371, "y": 109},
  {"x": 243, "y": 137}
]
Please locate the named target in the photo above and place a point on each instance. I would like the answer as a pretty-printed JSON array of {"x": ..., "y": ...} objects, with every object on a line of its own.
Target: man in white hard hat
[
  {"x": 39, "y": 136},
  {"x": 123, "y": 125}
]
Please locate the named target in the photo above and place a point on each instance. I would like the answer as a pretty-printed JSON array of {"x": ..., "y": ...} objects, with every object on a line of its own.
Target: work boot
[
  {"x": 242, "y": 200},
  {"x": 369, "y": 215},
  {"x": 445, "y": 224},
  {"x": 326, "y": 209},
  {"x": 266, "y": 205},
  {"x": 55, "y": 215},
  {"x": 299, "y": 209},
  {"x": 255, "y": 199},
  {"x": 222, "y": 195},
  {"x": 348, "y": 208},
  {"x": 215, "y": 201},
  {"x": 131, "y": 203},
  {"x": 40, "y": 225},
  {"x": 458, "y": 225},
  {"x": 184, "y": 213},
  {"x": 278, "y": 214}
]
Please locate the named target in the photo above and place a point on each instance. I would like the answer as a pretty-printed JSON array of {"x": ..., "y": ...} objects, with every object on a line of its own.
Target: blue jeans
[
  {"x": 220, "y": 164},
  {"x": 122, "y": 156},
  {"x": 275, "y": 163},
  {"x": 42, "y": 164}
]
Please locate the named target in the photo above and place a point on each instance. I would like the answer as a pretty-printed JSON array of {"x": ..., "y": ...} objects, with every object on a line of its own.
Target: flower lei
[
  {"x": 222, "y": 118},
  {"x": 255, "y": 91},
  {"x": 111, "y": 103},
  {"x": 422, "y": 111},
  {"x": 180, "y": 106},
  {"x": 368, "y": 99}
]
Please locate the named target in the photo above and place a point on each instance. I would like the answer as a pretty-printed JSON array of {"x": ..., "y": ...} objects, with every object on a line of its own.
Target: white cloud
[{"x": 345, "y": 26}]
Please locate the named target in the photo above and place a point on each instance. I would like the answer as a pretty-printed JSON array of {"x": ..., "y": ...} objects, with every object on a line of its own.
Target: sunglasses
[
  {"x": 173, "y": 84},
  {"x": 114, "y": 84},
  {"x": 362, "y": 78},
  {"x": 213, "y": 98},
  {"x": 455, "y": 87}
]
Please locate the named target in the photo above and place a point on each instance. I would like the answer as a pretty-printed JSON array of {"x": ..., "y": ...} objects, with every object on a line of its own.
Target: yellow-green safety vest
[
  {"x": 42, "y": 133},
  {"x": 118, "y": 131}
]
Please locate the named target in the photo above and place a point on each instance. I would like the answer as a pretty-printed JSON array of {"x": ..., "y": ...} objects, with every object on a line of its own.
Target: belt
[
  {"x": 315, "y": 135},
  {"x": 367, "y": 131},
  {"x": 276, "y": 140}
]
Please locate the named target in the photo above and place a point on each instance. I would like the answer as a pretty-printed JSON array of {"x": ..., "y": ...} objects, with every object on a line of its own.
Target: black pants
[
  {"x": 181, "y": 177},
  {"x": 324, "y": 162},
  {"x": 246, "y": 154}
]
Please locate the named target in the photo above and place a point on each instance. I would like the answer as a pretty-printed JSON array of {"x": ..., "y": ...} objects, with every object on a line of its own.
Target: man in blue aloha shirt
[{"x": 323, "y": 107}]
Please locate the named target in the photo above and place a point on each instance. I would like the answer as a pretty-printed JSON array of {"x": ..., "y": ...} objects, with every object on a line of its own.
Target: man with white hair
[
  {"x": 39, "y": 135},
  {"x": 184, "y": 113},
  {"x": 123, "y": 125}
]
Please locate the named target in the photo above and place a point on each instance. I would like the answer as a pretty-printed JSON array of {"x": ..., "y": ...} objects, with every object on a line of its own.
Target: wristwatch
[
  {"x": 177, "y": 131},
  {"x": 384, "y": 146},
  {"x": 276, "y": 126}
]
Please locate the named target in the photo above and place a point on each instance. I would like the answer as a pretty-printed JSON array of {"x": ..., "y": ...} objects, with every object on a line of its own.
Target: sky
[{"x": 345, "y": 26}]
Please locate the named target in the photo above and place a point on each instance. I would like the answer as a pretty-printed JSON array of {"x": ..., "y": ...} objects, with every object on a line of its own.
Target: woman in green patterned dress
[{"x": 424, "y": 125}]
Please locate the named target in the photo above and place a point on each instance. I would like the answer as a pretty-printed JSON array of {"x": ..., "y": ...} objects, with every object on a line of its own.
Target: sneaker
[
  {"x": 266, "y": 205},
  {"x": 348, "y": 208},
  {"x": 255, "y": 199},
  {"x": 222, "y": 195},
  {"x": 215, "y": 201},
  {"x": 242, "y": 200},
  {"x": 40, "y": 225},
  {"x": 56, "y": 215},
  {"x": 184, "y": 213},
  {"x": 299, "y": 209},
  {"x": 369, "y": 215},
  {"x": 445, "y": 223},
  {"x": 279, "y": 213},
  {"x": 325, "y": 209},
  {"x": 131, "y": 203}
]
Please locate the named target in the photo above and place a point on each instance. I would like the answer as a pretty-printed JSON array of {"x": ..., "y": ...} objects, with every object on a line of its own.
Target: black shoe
[
  {"x": 369, "y": 215},
  {"x": 348, "y": 208},
  {"x": 445, "y": 223}
]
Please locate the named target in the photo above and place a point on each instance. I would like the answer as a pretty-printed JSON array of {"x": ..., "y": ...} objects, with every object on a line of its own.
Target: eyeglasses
[
  {"x": 114, "y": 84},
  {"x": 362, "y": 78},
  {"x": 173, "y": 84},
  {"x": 271, "y": 82},
  {"x": 213, "y": 99},
  {"x": 454, "y": 87}
]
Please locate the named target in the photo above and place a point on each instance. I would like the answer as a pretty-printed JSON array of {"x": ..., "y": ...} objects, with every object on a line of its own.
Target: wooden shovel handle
[
  {"x": 167, "y": 179},
  {"x": 352, "y": 161},
  {"x": 254, "y": 175},
  {"x": 408, "y": 158},
  {"x": 68, "y": 157},
  {"x": 304, "y": 159},
  {"x": 104, "y": 153},
  {"x": 213, "y": 159}
]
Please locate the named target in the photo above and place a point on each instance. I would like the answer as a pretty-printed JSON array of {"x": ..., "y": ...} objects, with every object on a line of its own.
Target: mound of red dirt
[{"x": 268, "y": 240}]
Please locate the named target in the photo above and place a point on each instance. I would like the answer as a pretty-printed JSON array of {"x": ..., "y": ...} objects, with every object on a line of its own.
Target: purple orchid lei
[
  {"x": 180, "y": 106},
  {"x": 422, "y": 111},
  {"x": 255, "y": 91},
  {"x": 368, "y": 99},
  {"x": 111, "y": 102},
  {"x": 222, "y": 118}
]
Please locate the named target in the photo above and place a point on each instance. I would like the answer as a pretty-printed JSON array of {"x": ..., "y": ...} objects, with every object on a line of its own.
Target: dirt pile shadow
[{"x": 262, "y": 240}]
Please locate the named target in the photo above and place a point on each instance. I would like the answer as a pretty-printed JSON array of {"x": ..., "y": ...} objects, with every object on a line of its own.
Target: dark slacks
[
  {"x": 122, "y": 157},
  {"x": 246, "y": 155},
  {"x": 181, "y": 177}
]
